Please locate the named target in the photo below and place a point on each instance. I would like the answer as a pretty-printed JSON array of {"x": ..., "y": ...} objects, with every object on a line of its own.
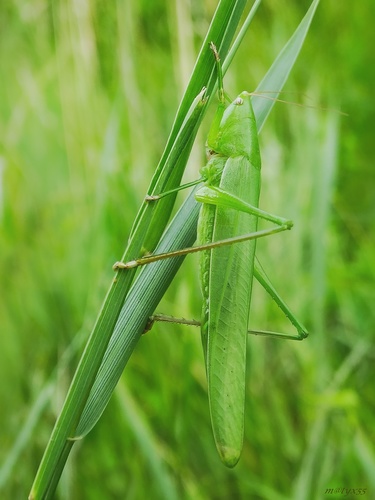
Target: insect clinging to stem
[{"x": 227, "y": 235}]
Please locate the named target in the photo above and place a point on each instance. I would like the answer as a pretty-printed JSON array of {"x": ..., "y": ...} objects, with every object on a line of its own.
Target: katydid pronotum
[{"x": 227, "y": 234}]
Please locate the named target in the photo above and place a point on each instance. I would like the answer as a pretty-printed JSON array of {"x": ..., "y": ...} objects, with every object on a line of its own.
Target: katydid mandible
[{"x": 229, "y": 216}]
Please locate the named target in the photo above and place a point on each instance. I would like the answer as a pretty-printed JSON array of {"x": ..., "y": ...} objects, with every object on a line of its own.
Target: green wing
[{"x": 229, "y": 272}]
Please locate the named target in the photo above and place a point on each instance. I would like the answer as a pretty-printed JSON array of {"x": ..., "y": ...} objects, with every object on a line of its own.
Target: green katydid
[{"x": 229, "y": 216}]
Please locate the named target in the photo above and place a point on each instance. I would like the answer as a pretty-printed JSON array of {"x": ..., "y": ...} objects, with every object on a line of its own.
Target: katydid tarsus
[{"x": 227, "y": 234}]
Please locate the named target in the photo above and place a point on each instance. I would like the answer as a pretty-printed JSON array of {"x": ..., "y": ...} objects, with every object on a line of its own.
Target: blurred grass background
[{"x": 87, "y": 96}]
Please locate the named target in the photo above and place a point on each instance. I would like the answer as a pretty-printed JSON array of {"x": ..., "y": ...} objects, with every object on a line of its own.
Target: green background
[{"x": 87, "y": 96}]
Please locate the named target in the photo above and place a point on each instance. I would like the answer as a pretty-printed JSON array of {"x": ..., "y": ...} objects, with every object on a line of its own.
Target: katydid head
[{"x": 236, "y": 133}]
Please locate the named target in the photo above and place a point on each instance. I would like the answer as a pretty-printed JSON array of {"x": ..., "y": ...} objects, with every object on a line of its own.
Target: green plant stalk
[
  {"x": 150, "y": 284},
  {"x": 90, "y": 362},
  {"x": 168, "y": 173},
  {"x": 222, "y": 30},
  {"x": 147, "y": 285}
]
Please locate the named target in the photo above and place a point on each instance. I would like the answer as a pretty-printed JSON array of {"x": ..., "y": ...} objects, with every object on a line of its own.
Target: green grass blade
[
  {"x": 127, "y": 333},
  {"x": 148, "y": 443},
  {"x": 140, "y": 303},
  {"x": 223, "y": 27},
  {"x": 154, "y": 279},
  {"x": 276, "y": 77},
  {"x": 169, "y": 172}
]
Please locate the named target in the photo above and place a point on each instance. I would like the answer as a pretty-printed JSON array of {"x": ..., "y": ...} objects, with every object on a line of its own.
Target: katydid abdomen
[{"x": 227, "y": 272}]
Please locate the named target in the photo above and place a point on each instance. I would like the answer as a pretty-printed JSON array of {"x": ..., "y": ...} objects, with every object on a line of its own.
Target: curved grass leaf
[
  {"x": 86, "y": 401},
  {"x": 222, "y": 30},
  {"x": 154, "y": 279}
]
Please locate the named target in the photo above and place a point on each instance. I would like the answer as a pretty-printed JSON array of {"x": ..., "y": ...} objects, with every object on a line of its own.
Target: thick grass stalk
[
  {"x": 222, "y": 29},
  {"x": 141, "y": 301},
  {"x": 143, "y": 297}
]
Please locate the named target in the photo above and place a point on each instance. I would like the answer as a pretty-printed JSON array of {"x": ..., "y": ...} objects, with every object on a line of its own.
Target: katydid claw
[{"x": 152, "y": 197}]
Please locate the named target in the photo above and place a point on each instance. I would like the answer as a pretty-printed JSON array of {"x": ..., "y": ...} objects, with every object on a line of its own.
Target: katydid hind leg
[{"x": 263, "y": 279}]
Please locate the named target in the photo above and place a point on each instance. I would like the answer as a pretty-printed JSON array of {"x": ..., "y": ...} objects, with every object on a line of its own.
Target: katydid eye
[{"x": 238, "y": 101}]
